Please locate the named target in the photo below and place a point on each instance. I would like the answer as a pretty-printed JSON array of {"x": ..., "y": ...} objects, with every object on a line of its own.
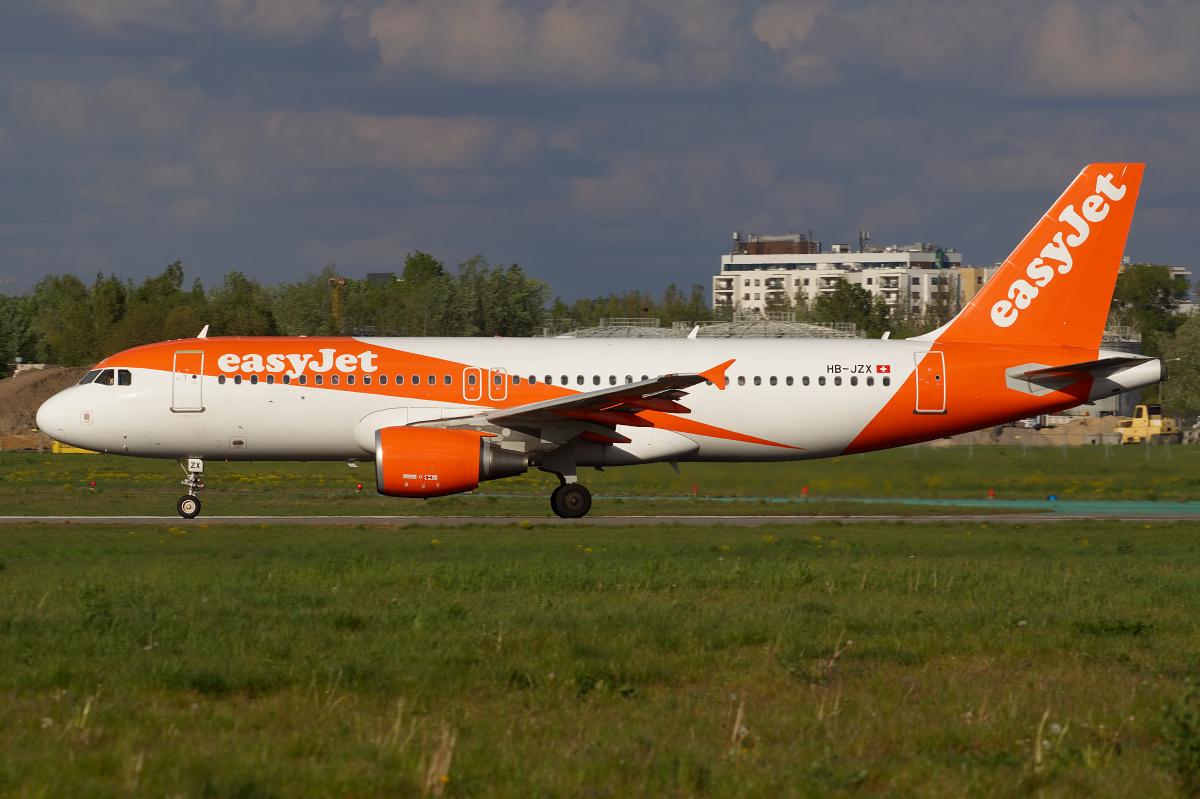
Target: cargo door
[
  {"x": 931, "y": 383},
  {"x": 187, "y": 382}
]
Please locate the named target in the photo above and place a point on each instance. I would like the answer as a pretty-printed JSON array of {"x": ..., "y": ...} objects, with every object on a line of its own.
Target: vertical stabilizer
[{"x": 1057, "y": 285}]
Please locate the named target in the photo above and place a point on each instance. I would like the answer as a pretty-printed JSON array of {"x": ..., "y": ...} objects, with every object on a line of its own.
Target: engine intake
[{"x": 431, "y": 462}]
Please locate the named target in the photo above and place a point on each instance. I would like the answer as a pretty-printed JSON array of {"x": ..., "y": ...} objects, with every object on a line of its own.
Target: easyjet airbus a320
[{"x": 439, "y": 415}]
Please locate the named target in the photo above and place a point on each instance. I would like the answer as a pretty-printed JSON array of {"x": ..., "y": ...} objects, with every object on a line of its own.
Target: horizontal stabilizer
[
  {"x": 1077, "y": 371},
  {"x": 1107, "y": 376}
]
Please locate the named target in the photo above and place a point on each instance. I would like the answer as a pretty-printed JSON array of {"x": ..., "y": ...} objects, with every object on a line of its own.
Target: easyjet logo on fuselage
[
  {"x": 1022, "y": 292},
  {"x": 279, "y": 362}
]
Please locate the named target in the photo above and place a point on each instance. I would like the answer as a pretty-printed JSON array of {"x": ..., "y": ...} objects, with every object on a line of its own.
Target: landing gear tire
[
  {"x": 189, "y": 506},
  {"x": 571, "y": 501}
]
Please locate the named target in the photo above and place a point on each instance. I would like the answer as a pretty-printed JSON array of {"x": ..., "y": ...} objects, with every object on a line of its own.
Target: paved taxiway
[{"x": 603, "y": 521}]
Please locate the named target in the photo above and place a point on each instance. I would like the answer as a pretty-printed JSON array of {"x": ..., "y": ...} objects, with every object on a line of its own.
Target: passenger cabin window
[
  {"x": 367, "y": 379},
  {"x": 89, "y": 377},
  {"x": 804, "y": 380},
  {"x": 254, "y": 380},
  {"x": 287, "y": 380},
  {"x": 270, "y": 380},
  {"x": 837, "y": 381},
  {"x": 774, "y": 380},
  {"x": 317, "y": 379},
  {"x": 516, "y": 380},
  {"x": 237, "y": 380},
  {"x": 612, "y": 380},
  {"x": 221, "y": 379},
  {"x": 471, "y": 379},
  {"x": 416, "y": 380},
  {"x": 887, "y": 381},
  {"x": 105, "y": 378},
  {"x": 579, "y": 380},
  {"x": 595, "y": 380},
  {"x": 870, "y": 381},
  {"x": 757, "y": 380},
  {"x": 446, "y": 380},
  {"x": 628, "y": 378},
  {"x": 565, "y": 380},
  {"x": 333, "y": 380},
  {"x": 854, "y": 380},
  {"x": 821, "y": 380},
  {"x": 303, "y": 380},
  {"x": 124, "y": 377},
  {"x": 350, "y": 380},
  {"x": 382, "y": 380},
  {"x": 742, "y": 380},
  {"x": 432, "y": 380},
  {"x": 789, "y": 380},
  {"x": 533, "y": 380}
]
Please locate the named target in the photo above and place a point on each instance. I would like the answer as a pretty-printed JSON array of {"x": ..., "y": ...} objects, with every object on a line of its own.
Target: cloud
[
  {"x": 118, "y": 108},
  {"x": 1061, "y": 48},
  {"x": 357, "y": 255},
  {"x": 1118, "y": 50},
  {"x": 563, "y": 42},
  {"x": 122, "y": 16},
  {"x": 288, "y": 20},
  {"x": 191, "y": 211}
]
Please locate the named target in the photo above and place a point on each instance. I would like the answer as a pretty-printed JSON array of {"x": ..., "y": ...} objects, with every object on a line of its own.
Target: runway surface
[{"x": 601, "y": 521}]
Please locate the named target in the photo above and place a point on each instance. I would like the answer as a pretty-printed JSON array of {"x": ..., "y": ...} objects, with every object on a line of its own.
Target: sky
[{"x": 603, "y": 145}]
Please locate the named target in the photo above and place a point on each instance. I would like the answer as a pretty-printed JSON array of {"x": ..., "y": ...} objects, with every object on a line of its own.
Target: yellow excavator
[{"x": 1147, "y": 424}]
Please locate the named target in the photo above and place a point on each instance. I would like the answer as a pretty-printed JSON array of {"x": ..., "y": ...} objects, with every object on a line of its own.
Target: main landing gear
[
  {"x": 571, "y": 500},
  {"x": 189, "y": 504}
]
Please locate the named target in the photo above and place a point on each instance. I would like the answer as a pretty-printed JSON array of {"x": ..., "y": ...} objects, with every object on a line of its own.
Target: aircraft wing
[{"x": 593, "y": 414}]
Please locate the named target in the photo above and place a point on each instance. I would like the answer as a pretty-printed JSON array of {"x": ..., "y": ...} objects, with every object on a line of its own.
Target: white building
[{"x": 917, "y": 277}]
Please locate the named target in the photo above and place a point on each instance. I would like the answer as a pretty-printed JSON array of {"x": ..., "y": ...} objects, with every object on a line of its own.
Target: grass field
[
  {"x": 60, "y": 484},
  {"x": 950, "y": 659}
]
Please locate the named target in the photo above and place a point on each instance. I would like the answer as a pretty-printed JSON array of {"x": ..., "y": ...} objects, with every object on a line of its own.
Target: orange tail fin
[{"x": 1057, "y": 285}]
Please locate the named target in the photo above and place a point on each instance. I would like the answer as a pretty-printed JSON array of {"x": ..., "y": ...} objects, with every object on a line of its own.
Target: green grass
[
  {"x": 36, "y": 484},
  {"x": 877, "y": 658}
]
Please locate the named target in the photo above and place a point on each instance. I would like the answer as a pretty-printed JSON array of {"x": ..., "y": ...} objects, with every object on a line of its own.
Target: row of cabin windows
[
  {"x": 497, "y": 379},
  {"x": 804, "y": 381},
  {"x": 108, "y": 377}
]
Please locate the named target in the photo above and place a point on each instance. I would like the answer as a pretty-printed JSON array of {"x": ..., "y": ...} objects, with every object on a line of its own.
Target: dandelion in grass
[
  {"x": 768, "y": 539},
  {"x": 588, "y": 549},
  {"x": 724, "y": 546}
]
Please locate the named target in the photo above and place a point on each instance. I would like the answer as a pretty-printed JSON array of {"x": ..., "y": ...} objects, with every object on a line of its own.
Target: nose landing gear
[{"x": 189, "y": 504}]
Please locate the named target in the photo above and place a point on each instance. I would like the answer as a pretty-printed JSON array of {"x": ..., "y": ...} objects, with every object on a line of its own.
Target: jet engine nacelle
[{"x": 431, "y": 462}]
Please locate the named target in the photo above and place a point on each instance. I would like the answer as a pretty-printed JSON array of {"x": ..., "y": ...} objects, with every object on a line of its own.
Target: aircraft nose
[{"x": 52, "y": 416}]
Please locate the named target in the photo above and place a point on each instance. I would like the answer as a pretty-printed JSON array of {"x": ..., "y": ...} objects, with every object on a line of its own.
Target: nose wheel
[
  {"x": 189, "y": 504},
  {"x": 571, "y": 500}
]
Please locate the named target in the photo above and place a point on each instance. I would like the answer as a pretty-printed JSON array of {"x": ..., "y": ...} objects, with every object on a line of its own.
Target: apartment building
[{"x": 762, "y": 271}]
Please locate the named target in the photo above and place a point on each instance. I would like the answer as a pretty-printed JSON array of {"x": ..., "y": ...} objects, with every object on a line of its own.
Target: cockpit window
[
  {"x": 105, "y": 378},
  {"x": 124, "y": 377},
  {"x": 89, "y": 377}
]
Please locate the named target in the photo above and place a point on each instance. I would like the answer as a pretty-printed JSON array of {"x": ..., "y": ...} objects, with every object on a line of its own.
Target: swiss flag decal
[{"x": 883, "y": 369}]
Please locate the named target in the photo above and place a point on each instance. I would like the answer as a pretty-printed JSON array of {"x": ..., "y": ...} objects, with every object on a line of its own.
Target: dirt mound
[{"x": 22, "y": 394}]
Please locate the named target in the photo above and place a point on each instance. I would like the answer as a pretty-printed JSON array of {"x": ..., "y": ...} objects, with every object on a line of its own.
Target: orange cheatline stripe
[{"x": 665, "y": 421}]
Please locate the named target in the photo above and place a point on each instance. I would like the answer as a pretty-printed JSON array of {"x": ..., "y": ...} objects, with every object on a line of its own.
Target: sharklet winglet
[{"x": 716, "y": 375}]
